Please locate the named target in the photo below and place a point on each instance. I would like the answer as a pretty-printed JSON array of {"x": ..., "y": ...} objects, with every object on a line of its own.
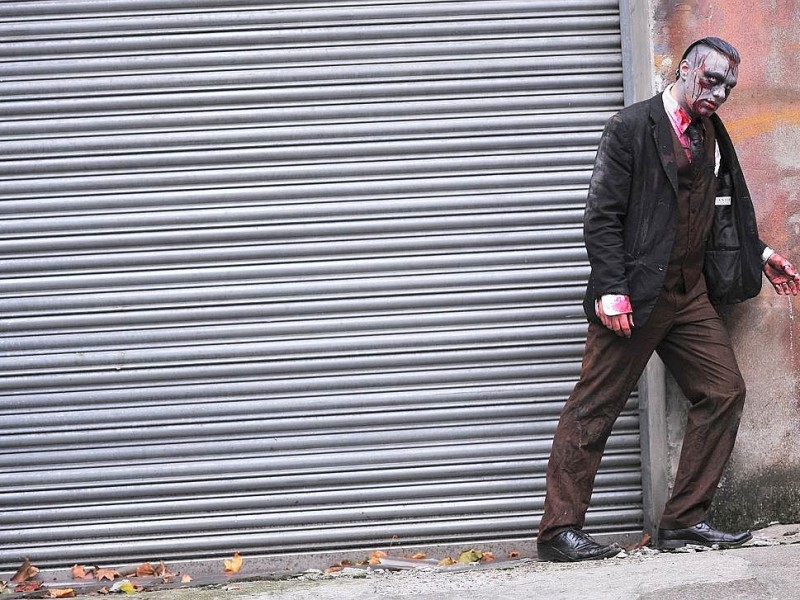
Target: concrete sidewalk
[
  {"x": 746, "y": 573},
  {"x": 768, "y": 567}
]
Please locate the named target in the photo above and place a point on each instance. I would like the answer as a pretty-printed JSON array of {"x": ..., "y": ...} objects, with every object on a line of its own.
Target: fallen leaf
[
  {"x": 646, "y": 539},
  {"x": 25, "y": 572},
  {"x": 513, "y": 554},
  {"x": 109, "y": 574},
  {"x": 127, "y": 587},
  {"x": 234, "y": 565},
  {"x": 62, "y": 593},
  {"x": 28, "y": 586},
  {"x": 446, "y": 562},
  {"x": 185, "y": 578},
  {"x": 80, "y": 572},
  {"x": 104, "y": 591},
  {"x": 487, "y": 557},
  {"x": 419, "y": 556},
  {"x": 145, "y": 570},
  {"x": 163, "y": 571},
  {"x": 469, "y": 556},
  {"x": 334, "y": 569},
  {"x": 375, "y": 557}
]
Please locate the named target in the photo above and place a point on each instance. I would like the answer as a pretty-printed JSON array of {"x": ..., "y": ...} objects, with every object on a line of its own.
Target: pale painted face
[{"x": 705, "y": 82}]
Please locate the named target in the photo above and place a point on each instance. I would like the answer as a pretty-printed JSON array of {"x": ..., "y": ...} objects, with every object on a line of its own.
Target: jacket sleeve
[{"x": 607, "y": 208}]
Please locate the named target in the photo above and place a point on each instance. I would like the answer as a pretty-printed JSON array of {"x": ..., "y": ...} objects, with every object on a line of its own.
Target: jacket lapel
[{"x": 662, "y": 135}]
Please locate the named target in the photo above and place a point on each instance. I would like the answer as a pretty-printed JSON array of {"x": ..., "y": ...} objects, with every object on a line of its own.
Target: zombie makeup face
[{"x": 705, "y": 81}]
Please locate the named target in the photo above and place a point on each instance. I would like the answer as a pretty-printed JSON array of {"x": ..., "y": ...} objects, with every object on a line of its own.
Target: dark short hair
[{"x": 715, "y": 43}]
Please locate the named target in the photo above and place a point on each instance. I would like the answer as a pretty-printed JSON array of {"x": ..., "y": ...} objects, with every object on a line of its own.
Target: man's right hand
[{"x": 616, "y": 313}]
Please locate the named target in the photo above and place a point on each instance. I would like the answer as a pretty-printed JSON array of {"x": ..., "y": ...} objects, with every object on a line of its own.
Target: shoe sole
[{"x": 675, "y": 544}]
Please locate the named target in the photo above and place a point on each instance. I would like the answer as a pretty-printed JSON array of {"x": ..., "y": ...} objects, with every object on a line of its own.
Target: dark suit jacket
[{"x": 631, "y": 216}]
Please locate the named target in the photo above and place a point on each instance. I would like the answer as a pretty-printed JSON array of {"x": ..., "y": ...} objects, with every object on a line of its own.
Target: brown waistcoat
[{"x": 696, "y": 195}]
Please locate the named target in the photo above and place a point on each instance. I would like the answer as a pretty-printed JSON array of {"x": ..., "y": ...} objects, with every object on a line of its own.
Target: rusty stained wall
[{"x": 762, "y": 483}]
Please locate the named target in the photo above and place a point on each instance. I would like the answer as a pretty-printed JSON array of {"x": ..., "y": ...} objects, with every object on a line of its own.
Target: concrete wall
[{"x": 762, "y": 483}]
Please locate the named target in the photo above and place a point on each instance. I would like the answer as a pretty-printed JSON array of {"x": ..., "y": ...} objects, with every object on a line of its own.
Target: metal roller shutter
[{"x": 291, "y": 276}]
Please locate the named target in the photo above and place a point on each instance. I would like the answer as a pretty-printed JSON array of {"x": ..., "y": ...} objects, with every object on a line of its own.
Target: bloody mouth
[{"x": 709, "y": 105}]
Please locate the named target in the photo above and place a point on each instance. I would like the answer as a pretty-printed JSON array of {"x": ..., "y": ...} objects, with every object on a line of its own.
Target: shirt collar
[
  {"x": 680, "y": 121},
  {"x": 679, "y": 117}
]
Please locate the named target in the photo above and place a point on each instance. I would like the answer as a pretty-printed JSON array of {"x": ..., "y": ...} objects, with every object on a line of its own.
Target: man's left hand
[{"x": 782, "y": 275}]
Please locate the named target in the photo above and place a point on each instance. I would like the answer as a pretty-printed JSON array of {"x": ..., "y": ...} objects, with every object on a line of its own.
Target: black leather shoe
[
  {"x": 574, "y": 545},
  {"x": 701, "y": 534}
]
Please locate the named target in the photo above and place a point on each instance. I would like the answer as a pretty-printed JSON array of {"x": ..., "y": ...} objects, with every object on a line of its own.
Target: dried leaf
[
  {"x": 470, "y": 556},
  {"x": 145, "y": 570},
  {"x": 513, "y": 554},
  {"x": 446, "y": 562},
  {"x": 62, "y": 593},
  {"x": 646, "y": 539},
  {"x": 80, "y": 572},
  {"x": 375, "y": 557},
  {"x": 419, "y": 556},
  {"x": 116, "y": 587},
  {"x": 28, "y": 586},
  {"x": 233, "y": 565},
  {"x": 186, "y": 578},
  {"x": 104, "y": 591},
  {"x": 334, "y": 569},
  {"x": 109, "y": 574},
  {"x": 25, "y": 572},
  {"x": 163, "y": 571}
]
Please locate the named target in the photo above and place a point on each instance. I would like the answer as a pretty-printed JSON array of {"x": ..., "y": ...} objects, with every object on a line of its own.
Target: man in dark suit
[{"x": 670, "y": 231}]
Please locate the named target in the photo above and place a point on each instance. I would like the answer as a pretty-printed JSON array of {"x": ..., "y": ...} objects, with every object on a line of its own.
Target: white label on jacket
[{"x": 723, "y": 201}]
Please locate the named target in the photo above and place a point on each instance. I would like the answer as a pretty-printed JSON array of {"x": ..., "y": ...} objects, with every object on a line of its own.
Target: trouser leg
[
  {"x": 698, "y": 353},
  {"x": 610, "y": 370}
]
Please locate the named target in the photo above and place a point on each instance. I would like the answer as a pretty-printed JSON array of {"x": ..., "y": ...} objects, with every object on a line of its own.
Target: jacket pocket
[
  {"x": 723, "y": 273},
  {"x": 724, "y": 233}
]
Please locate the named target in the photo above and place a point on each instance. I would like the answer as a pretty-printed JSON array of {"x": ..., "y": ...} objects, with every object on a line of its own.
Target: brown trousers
[{"x": 689, "y": 336}]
